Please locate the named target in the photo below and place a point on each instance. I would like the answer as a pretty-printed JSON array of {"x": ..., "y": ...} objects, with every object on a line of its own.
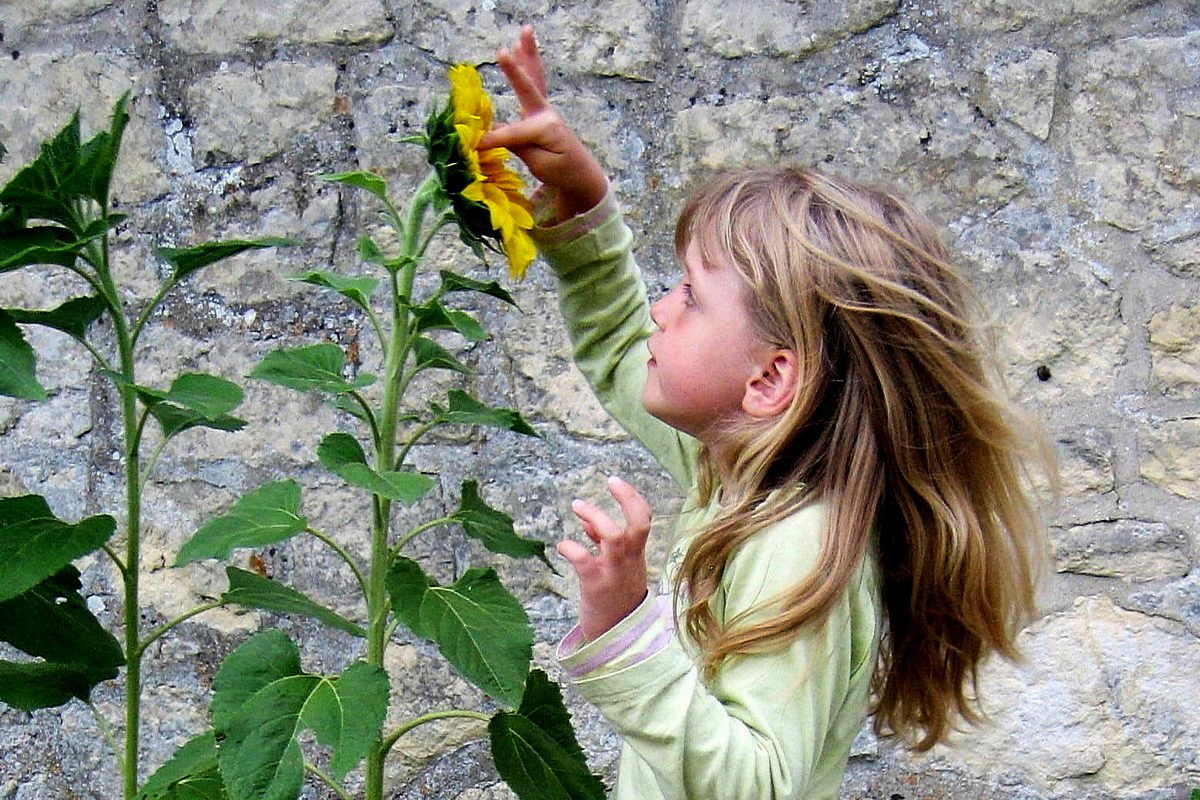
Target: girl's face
[{"x": 705, "y": 351}]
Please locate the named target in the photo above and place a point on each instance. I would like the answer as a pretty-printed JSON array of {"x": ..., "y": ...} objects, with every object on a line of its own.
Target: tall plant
[
  {"x": 56, "y": 211},
  {"x": 263, "y": 699}
]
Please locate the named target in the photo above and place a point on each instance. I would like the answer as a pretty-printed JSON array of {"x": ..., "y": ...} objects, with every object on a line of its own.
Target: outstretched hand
[
  {"x": 612, "y": 582},
  {"x": 541, "y": 139}
]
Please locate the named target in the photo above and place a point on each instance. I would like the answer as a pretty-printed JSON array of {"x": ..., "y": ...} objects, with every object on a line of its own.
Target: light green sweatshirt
[{"x": 771, "y": 725}]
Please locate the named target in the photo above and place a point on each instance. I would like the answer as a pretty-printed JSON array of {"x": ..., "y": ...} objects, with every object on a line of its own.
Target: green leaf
[
  {"x": 357, "y": 290},
  {"x": 347, "y": 713},
  {"x": 466, "y": 410},
  {"x": 43, "y": 684},
  {"x": 72, "y": 317},
  {"x": 258, "y": 662},
  {"x": 432, "y": 315},
  {"x": 52, "y": 621},
  {"x": 369, "y": 252},
  {"x": 453, "y": 282},
  {"x": 18, "y": 365},
  {"x": 262, "y": 701},
  {"x": 190, "y": 774},
  {"x": 207, "y": 394},
  {"x": 34, "y": 544},
  {"x": 431, "y": 355},
  {"x": 38, "y": 187},
  {"x": 186, "y": 260},
  {"x": 92, "y": 176},
  {"x": 316, "y": 367},
  {"x": 48, "y": 244},
  {"x": 269, "y": 514},
  {"x": 342, "y": 455},
  {"x": 493, "y": 527},
  {"x": 362, "y": 180},
  {"x": 175, "y": 420},
  {"x": 478, "y": 626},
  {"x": 253, "y": 591},
  {"x": 535, "y": 750}
]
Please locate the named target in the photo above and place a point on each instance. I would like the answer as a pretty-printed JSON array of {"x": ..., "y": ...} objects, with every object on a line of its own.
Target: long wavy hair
[{"x": 899, "y": 424}]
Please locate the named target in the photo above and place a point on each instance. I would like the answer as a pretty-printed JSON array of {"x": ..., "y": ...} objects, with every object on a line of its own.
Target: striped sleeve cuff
[{"x": 646, "y": 631}]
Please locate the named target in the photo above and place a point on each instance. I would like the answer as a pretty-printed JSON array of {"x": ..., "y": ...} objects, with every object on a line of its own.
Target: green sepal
[
  {"x": 477, "y": 625},
  {"x": 535, "y": 750},
  {"x": 316, "y": 367},
  {"x": 35, "y": 545},
  {"x": 269, "y": 514},
  {"x": 494, "y": 528},
  {"x": 465, "y": 410},
  {"x": 342, "y": 455}
]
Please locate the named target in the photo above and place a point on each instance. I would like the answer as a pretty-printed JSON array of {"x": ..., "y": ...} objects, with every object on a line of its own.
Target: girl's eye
[{"x": 686, "y": 288}]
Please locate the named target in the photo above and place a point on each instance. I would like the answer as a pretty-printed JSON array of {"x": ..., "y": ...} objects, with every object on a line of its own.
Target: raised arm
[{"x": 542, "y": 139}]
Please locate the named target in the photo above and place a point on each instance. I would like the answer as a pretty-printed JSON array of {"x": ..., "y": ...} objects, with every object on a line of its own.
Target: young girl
[{"x": 858, "y": 533}]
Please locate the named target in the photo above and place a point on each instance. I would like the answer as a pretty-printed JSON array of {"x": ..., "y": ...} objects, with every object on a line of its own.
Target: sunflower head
[{"x": 487, "y": 196}]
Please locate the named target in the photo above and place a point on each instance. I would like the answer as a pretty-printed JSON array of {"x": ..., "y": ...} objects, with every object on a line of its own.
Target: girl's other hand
[
  {"x": 612, "y": 582},
  {"x": 541, "y": 138}
]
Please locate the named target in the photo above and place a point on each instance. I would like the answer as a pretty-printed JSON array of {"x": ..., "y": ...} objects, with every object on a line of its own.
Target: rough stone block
[
  {"x": 604, "y": 38},
  {"x": 777, "y": 27},
  {"x": 281, "y": 102},
  {"x": 1171, "y": 456},
  {"x": 1123, "y": 724},
  {"x": 1175, "y": 349},
  {"x": 227, "y": 26},
  {"x": 1131, "y": 549},
  {"x": 1085, "y": 462},
  {"x": 43, "y": 88},
  {"x": 1127, "y": 114},
  {"x": 1020, "y": 86}
]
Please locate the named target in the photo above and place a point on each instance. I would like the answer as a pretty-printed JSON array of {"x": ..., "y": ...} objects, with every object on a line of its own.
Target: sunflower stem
[{"x": 385, "y": 453}]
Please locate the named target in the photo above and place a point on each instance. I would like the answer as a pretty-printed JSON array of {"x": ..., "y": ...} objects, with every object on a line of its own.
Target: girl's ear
[{"x": 770, "y": 390}]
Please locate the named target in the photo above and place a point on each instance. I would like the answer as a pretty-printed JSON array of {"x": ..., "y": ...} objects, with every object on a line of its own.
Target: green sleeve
[
  {"x": 603, "y": 301},
  {"x": 771, "y": 725}
]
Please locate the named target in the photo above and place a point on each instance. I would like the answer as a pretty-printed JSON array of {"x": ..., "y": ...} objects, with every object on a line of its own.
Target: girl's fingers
[
  {"x": 596, "y": 524},
  {"x": 528, "y": 132},
  {"x": 637, "y": 511},
  {"x": 575, "y": 553},
  {"x": 530, "y": 95},
  {"x": 530, "y": 59}
]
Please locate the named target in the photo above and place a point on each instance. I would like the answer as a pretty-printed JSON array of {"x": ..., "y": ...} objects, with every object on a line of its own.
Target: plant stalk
[{"x": 397, "y": 355}]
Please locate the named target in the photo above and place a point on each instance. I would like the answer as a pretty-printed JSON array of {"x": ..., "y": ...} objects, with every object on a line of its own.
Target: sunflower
[{"x": 486, "y": 195}]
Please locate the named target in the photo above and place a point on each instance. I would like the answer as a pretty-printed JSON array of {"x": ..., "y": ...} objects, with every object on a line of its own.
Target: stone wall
[{"x": 1058, "y": 143}]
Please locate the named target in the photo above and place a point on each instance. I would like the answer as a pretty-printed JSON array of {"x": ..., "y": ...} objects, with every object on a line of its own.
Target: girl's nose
[{"x": 656, "y": 311}]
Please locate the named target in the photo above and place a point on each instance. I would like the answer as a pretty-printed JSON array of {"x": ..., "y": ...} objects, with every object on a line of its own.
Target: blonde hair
[{"x": 898, "y": 423}]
